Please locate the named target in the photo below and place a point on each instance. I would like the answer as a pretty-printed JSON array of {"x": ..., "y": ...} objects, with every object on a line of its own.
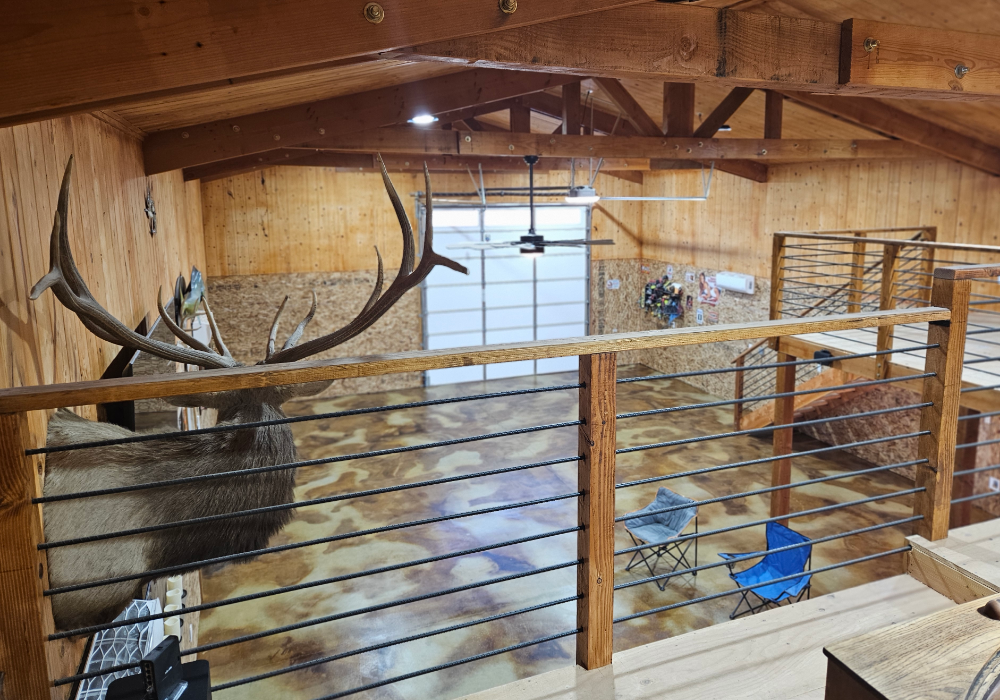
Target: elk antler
[
  {"x": 378, "y": 304},
  {"x": 69, "y": 287}
]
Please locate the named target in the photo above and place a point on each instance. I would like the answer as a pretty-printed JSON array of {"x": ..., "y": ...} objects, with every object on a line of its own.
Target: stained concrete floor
[{"x": 415, "y": 426}]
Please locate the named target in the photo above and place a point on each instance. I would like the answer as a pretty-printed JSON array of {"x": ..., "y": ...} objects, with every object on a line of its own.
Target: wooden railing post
[
  {"x": 941, "y": 419},
  {"x": 929, "y": 234},
  {"x": 887, "y": 300},
  {"x": 858, "y": 266},
  {"x": 26, "y": 618},
  {"x": 596, "y": 541},
  {"x": 738, "y": 393},
  {"x": 777, "y": 278},
  {"x": 784, "y": 414}
]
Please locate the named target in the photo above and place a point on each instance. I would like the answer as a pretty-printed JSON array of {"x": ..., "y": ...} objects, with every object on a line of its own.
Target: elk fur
[{"x": 133, "y": 464}]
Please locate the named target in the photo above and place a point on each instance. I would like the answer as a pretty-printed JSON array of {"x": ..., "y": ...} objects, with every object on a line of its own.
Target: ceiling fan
[{"x": 532, "y": 244}]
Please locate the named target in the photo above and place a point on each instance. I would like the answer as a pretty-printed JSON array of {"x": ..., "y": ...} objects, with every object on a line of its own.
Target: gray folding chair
[{"x": 659, "y": 530}]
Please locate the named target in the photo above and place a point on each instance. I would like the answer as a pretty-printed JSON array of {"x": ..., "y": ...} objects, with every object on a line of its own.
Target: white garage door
[{"x": 507, "y": 297}]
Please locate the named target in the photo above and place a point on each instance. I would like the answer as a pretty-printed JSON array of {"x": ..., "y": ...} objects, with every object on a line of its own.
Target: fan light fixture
[
  {"x": 423, "y": 119},
  {"x": 582, "y": 195},
  {"x": 532, "y": 252}
]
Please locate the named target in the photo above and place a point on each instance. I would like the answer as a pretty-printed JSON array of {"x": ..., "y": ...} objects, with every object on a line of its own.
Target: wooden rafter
[
  {"x": 679, "y": 43},
  {"x": 292, "y": 126},
  {"x": 572, "y": 108},
  {"x": 520, "y": 116},
  {"x": 721, "y": 114},
  {"x": 604, "y": 122},
  {"x": 61, "y": 57},
  {"x": 617, "y": 93},
  {"x": 892, "y": 121},
  {"x": 774, "y": 105},
  {"x": 678, "y": 109}
]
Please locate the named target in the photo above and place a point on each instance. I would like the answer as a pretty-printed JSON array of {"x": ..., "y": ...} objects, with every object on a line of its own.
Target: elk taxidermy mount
[{"x": 128, "y": 558}]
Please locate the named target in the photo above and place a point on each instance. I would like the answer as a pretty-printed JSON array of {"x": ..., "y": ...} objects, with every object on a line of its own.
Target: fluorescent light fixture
[
  {"x": 582, "y": 195},
  {"x": 423, "y": 119},
  {"x": 533, "y": 252},
  {"x": 725, "y": 127}
]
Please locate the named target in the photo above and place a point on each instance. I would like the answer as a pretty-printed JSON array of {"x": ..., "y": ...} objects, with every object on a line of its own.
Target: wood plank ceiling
[{"x": 977, "y": 120}]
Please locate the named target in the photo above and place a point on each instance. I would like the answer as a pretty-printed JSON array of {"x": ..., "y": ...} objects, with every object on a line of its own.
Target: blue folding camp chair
[
  {"x": 773, "y": 566},
  {"x": 649, "y": 527}
]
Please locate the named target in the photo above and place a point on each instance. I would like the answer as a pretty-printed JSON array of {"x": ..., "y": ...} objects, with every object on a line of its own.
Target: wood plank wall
[
  {"x": 40, "y": 342},
  {"x": 732, "y": 231},
  {"x": 294, "y": 219}
]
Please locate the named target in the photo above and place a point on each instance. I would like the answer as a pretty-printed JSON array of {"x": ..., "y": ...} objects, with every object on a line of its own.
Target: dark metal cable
[
  {"x": 450, "y": 664},
  {"x": 975, "y": 497},
  {"x": 765, "y": 521},
  {"x": 250, "y": 511},
  {"x": 770, "y": 489},
  {"x": 740, "y": 589},
  {"x": 752, "y": 431},
  {"x": 773, "y": 458},
  {"x": 771, "y": 365},
  {"x": 157, "y": 573},
  {"x": 293, "y": 419},
  {"x": 757, "y": 555},
  {"x": 295, "y": 465},
  {"x": 768, "y": 397},
  {"x": 977, "y": 471},
  {"x": 981, "y": 443},
  {"x": 390, "y": 643},
  {"x": 314, "y": 584},
  {"x": 380, "y": 606}
]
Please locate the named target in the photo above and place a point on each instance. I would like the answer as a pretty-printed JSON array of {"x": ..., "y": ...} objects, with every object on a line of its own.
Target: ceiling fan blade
[
  {"x": 581, "y": 242},
  {"x": 482, "y": 246}
]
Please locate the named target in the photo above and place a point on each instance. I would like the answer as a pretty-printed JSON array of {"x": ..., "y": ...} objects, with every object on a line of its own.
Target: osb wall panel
[
  {"x": 732, "y": 230},
  {"x": 620, "y": 310},
  {"x": 294, "y": 219},
  {"x": 40, "y": 342},
  {"x": 244, "y": 307}
]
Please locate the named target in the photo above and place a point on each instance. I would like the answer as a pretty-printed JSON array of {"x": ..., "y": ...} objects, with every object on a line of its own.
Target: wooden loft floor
[{"x": 776, "y": 654}]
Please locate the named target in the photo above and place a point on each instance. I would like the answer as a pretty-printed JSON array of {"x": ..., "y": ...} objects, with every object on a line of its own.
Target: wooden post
[
  {"x": 572, "y": 109},
  {"x": 738, "y": 407},
  {"x": 773, "y": 107},
  {"x": 965, "y": 458},
  {"x": 784, "y": 414},
  {"x": 941, "y": 419},
  {"x": 520, "y": 117},
  {"x": 678, "y": 109},
  {"x": 27, "y": 662},
  {"x": 777, "y": 280},
  {"x": 887, "y": 300},
  {"x": 929, "y": 234},
  {"x": 596, "y": 541},
  {"x": 854, "y": 296}
]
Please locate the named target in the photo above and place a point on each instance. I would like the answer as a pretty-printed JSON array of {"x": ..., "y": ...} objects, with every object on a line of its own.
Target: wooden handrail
[
  {"x": 937, "y": 245},
  {"x": 967, "y": 272},
  {"x": 157, "y": 386},
  {"x": 856, "y": 230}
]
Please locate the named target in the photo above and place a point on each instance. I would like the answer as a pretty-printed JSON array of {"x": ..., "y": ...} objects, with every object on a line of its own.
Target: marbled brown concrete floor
[{"x": 416, "y": 426}]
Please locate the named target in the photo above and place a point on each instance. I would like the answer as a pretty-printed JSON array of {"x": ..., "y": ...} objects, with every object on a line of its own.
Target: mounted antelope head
[{"x": 126, "y": 465}]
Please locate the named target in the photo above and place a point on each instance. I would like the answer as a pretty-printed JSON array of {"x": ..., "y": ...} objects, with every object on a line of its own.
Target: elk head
[{"x": 130, "y": 465}]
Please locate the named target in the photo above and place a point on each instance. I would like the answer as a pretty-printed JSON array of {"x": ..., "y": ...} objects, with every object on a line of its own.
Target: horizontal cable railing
[{"x": 542, "y": 459}]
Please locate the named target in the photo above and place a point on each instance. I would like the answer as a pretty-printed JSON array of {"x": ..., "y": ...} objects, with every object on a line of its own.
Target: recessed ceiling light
[
  {"x": 423, "y": 119},
  {"x": 725, "y": 127}
]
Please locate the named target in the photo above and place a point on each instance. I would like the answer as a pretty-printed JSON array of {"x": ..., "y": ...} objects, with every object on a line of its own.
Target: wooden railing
[{"x": 30, "y": 663}]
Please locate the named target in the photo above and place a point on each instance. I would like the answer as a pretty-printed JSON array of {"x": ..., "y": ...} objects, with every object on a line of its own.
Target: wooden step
[
  {"x": 764, "y": 415},
  {"x": 775, "y": 654}
]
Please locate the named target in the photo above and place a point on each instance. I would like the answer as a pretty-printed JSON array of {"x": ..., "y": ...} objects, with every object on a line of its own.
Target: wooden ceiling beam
[
  {"x": 396, "y": 162},
  {"x": 572, "y": 109},
  {"x": 404, "y": 140},
  {"x": 292, "y": 126},
  {"x": 892, "y": 121},
  {"x": 520, "y": 116},
  {"x": 617, "y": 93},
  {"x": 682, "y": 43},
  {"x": 61, "y": 57}
]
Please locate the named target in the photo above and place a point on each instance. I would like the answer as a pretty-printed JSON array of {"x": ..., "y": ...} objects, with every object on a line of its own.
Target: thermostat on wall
[{"x": 735, "y": 282}]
